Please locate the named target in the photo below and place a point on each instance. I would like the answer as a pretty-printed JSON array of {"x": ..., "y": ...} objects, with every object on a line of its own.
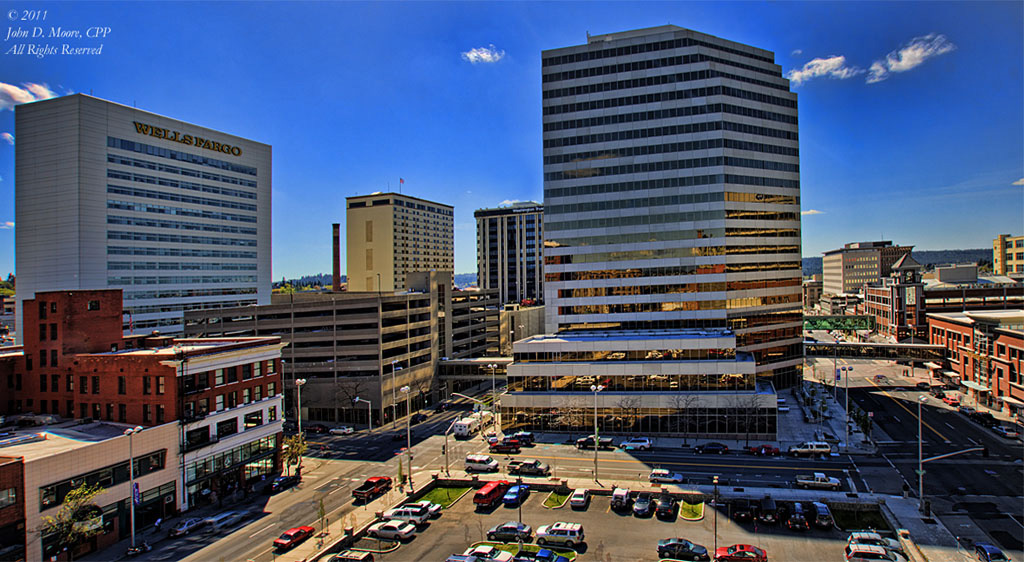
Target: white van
[
  {"x": 222, "y": 520},
  {"x": 811, "y": 448},
  {"x": 481, "y": 463}
]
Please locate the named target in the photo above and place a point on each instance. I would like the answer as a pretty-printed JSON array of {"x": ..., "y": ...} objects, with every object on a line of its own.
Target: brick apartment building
[{"x": 12, "y": 508}]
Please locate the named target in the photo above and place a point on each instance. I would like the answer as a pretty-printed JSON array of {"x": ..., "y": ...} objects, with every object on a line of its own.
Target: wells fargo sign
[{"x": 188, "y": 140}]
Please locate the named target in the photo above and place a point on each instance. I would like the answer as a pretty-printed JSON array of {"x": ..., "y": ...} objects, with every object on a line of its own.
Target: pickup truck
[
  {"x": 529, "y": 467},
  {"x": 372, "y": 487},
  {"x": 817, "y": 480},
  {"x": 588, "y": 442}
]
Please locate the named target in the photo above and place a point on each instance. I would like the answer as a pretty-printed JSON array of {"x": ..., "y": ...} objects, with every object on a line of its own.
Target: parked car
[
  {"x": 682, "y": 549},
  {"x": 768, "y": 511},
  {"x": 186, "y": 526},
  {"x": 892, "y": 545},
  {"x": 741, "y": 553},
  {"x": 713, "y": 447},
  {"x": 488, "y": 553},
  {"x": 966, "y": 410},
  {"x": 937, "y": 392},
  {"x": 1006, "y": 431},
  {"x": 666, "y": 507},
  {"x": 868, "y": 553},
  {"x": 293, "y": 537},
  {"x": 642, "y": 505},
  {"x": 951, "y": 399},
  {"x": 639, "y": 443},
  {"x": 316, "y": 428},
  {"x": 283, "y": 483},
  {"x": 796, "y": 520},
  {"x": 620, "y": 499},
  {"x": 353, "y": 556},
  {"x": 343, "y": 430},
  {"x": 984, "y": 418},
  {"x": 397, "y": 530},
  {"x": 744, "y": 510},
  {"x": 764, "y": 450},
  {"x": 480, "y": 463},
  {"x": 989, "y": 553},
  {"x": 434, "y": 509},
  {"x": 822, "y": 517},
  {"x": 408, "y": 514},
  {"x": 547, "y": 555},
  {"x": 566, "y": 534},
  {"x": 373, "y": 487},
  {"x": 509, "y": 446},
  {"x": 516, "y": 495},
  {"x": 580, "y": 498},
  {"x": 666, "y": 477},
  {"x": 510, "y": 531}
]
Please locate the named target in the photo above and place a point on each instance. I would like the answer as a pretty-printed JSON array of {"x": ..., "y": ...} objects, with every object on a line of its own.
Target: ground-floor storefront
[{"x": 210, "y": 479}]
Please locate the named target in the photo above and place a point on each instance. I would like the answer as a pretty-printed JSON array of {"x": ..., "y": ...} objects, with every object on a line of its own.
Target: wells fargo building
[{"x": 108, "y": 196}]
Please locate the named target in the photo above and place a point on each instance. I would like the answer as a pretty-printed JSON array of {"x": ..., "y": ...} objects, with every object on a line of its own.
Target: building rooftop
[
  {"x": 192, "y": 347},
  {"x": 1003, "y": 319},
  {"x": 39, "y": 442},
  {"x": 629, "y": 335}
]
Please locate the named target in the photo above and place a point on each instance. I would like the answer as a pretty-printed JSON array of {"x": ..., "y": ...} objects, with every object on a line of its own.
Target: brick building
[
  {"x": 985, "y": 351},
  {"x": 897, "y": 302},
  {"x": 12, "y": 508}
]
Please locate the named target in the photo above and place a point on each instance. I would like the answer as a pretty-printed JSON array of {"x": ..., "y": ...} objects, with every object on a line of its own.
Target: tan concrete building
[
  {"x": 391, "y": 235},
  {"x": 812, "y": 291},
  {"x": 1008, "y": 254},
  {"x": 847, "y": 269}
]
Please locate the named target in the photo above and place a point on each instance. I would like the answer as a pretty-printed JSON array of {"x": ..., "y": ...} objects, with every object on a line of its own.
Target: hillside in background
[
  {"x": 324, "y": 280},
  {"x": 928, "y": 258}
]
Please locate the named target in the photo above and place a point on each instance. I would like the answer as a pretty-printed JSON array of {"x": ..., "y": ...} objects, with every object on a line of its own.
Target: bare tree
[
  {"x": 347, "y": 389},
  {"x": 685, "y": 403},
  {"x": 573, "y": 413},
  {"x": 747, "y": 404},
  {"x": 630, "y": 406}
]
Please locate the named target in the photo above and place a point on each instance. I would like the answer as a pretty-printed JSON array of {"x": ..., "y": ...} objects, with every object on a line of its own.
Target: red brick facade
[{"x": 12, "y": 509}]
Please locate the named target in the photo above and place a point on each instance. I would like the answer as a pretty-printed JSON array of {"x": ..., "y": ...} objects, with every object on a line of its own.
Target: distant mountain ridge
[{"x": 927, "y": 258}]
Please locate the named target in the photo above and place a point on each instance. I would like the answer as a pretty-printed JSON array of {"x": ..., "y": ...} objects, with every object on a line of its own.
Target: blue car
[
  {"x": 516, "y": 495},
  {"x": 546, "y": 555},
  {"x": 989, "y": 553}
]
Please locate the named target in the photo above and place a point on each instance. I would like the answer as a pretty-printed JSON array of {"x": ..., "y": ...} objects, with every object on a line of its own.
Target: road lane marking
[
  {"x": 710, "y": 465},
  {"x": 261, "y": 530},
  {"x": 900, "y": 404}
]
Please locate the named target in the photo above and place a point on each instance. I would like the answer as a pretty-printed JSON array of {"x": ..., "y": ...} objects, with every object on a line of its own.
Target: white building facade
[{"x": 109, "y": 196}]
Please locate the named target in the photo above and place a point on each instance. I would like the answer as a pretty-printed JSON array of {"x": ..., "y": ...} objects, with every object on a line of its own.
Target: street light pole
[
  {"x": 298, "y": 391},
  {"x": 595, "y": 390},
  {"x": 920, "y": 455},
  {"x": 715, "y": 499},
  {"x": 847, "y": 371},
  {"x": 408, "y": 435},
  {"x": 492, "y": 367},
  {"x": 369, "y": 410},
  {"x": 394, "y": 401},
  {"x": 131, "y": 477}
]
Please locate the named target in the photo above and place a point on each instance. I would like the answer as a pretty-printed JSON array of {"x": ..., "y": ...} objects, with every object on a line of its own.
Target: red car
[
  {"x": 764, "y": 450},
  {"x": 293, "y": 537},
  {"x": 740, "y": 553}
]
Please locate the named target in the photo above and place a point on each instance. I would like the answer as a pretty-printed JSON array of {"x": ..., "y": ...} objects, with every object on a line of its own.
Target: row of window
[
  {"x": 668, "y": 113},
  {"x": 632, "y": 273},
  {"x": 632, "y": 383},
  {"x": 186, "y": 293},
  {"x": 685, "y": 181},
  {"x": 178, "y": 239},
  {"x": 194, "y": 382},
  {"x": 648, "y": 48},
  {"x": 201, "y": 279},
  {"x": 666, "y": 165},
  {"x": 179, "y": 307},
  {"x": 242, "y": 454},
  {"x": 179, "y": 156},
  {"x": 660, "y": 97},
  {"x": 676, "y": 306},
  {"x": 717, "y": 354},
  {"x": 667, "y": 235},
  {"x": 200, "y": 437},
  {"x": 658, "y": 80},
  {"x": 669, "y": 130},
  {"x": 178, "y": 225},
  {"x": 182, "y": 184},
  {"x": 53, "y": 495},
  {"x": 176, "y": 252},
  {"x": 648, "y": 64},
  {"x": 630, "y": 290},
  {"x": 690, "y": 216},
  {"x": 736, "y": 422},
  {"x": 651, "y": 254},
  {"x": 165, "y": 196},
  {"x": 175, "y": 266},
  {"x": 682, "y": 199},
  {"x": 670, "y": 148}
]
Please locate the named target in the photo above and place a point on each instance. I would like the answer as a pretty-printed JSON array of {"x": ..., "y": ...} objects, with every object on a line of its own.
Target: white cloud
[
  {"x": 910, "y": 56},
  {"x": 812, "y": 212},
  {"x": 1019, "y": 182},
  {"x": 11, "y": 95},
  {"x": 832, "y": 67},
  {"x": 509, "y": 202},
  {"x": 7, "y": 225},
  {"x": 487, "y": 54},
  {"x": 797, "y": 52},
  {"x": 7, "y": 137}
]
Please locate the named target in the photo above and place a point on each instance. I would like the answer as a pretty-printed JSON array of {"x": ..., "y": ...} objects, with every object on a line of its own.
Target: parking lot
[{"x": 614, "y": 536}]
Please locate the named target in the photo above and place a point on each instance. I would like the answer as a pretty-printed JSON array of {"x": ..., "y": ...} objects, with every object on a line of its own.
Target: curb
[
  {"x": 703, "y": 507},
  {"x": 560, "y": 506}
]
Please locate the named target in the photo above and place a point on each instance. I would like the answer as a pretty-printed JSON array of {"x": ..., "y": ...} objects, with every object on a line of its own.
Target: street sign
[{"x": 136, "y": 496}]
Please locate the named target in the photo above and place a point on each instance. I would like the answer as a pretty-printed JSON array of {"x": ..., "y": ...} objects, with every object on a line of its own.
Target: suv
[
  {"x": 811, "y": 448},
  {"x": 666, "y": 507},
  {"x": 874, "y": 539},
  {"x": 796, "y": 521},
  {"x": 567, "y": 534},
  {"x": 868, "y": 553},
  {"x": 768, "y": 513},
  {"x": 744, "y": 510},
  {"x": 822, "y": 518},
  {"x": 639, "y": 443},
  {"x": 620, "y": 499}
]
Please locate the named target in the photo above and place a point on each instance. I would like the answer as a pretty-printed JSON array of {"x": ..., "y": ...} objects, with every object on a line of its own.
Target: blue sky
[{"x": 911, "y": 116}]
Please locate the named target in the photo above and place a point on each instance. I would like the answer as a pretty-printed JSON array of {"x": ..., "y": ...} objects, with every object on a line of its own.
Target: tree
[
  {"x": 78, "y": 519},
  {"x": 293, "y": 449},
  {"x": 573, "y": 413},
  {"x": 746, "y": 405},
  {"x": 685, "y": 403},
  {"x": 348, "y": 388},
  {"x": 630, "y": 406}
]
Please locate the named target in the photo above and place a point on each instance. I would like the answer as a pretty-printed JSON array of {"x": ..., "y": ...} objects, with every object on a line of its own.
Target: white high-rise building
[
  {"x": 672, "y": 236},
  {"x": 108, "y": 196}
]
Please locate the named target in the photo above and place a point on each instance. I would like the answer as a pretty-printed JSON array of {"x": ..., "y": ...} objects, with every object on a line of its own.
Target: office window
[
  {"x": 272, "y": 413},
  {"x": 95, "y": 385},
  {"x": 254, "y": 419},
  {"x": 246, "y": 395},
  {"x": 218, "y": 377},
  {"x": 93, "y": 305},
  {"x": 232, "y": 374},
  {"x": 122, "y": 413},
  {"x": 232, "y": 399},
  {"x": 42, "y": 332},
  {"x": 8, "y": 497},
  {"x": 83, "y": 385},
  {"x": 246, "y": 372},
  {"x": 122, "y": 385},
  {"x": 204, "y": 406},
  {"x": 53, "y": 307},
  {"x": 369, "y": 231},
  {"x": 219, "y": 402},
  {"x": 42, "y": 407},
  {"x": 202, "y": 381},
  {"x": 227, "y": 427},
  {"x": 147, "y": 413},
  {"x": 160, "y": 385},
  {"x": 54, "y": 385},
  {"x": 271, "y": 389},
  {"x": 257, "y": 392},
  {"x": 42, "y": 357},
  {"x": 257, "y": 369},
  {"x": 159, "y": 413},
  {"x": 53, "y": 331},
  {"x": 110, "y": 412},
  {"x": 42, "y": 383},
  {"x": 69, "y": 406},
  {"x": 83, "y": 410},
  {"x": 53, "y": 357},
  {"x": 97, "y": 411},
  {"x": 147, "y": 385}
]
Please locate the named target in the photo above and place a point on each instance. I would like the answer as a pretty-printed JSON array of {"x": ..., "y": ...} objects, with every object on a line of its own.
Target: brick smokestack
[{"x": 336, "y": 276}]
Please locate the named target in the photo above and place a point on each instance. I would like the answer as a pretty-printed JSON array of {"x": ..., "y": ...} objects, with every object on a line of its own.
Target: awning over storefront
[
  {"x": 975, "y": 386},
  {"x": 1012, "y": 401},
  {"x": 950, "y": 374},
  {"x": 933, "y": 366}
]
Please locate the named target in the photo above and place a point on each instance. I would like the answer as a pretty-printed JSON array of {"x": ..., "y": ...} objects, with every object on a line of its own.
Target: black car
[
  {"x": 822, "y": 517},
  {"x": 283, "y": 483},
  {"x": 417, "y": 418},
  {"x": 744, "y": 510},
  {"x": 510, "y": 531},
  {"x": 768, "y": 511},
  {"x": 682, "y": 549},
  {"x": 525, "y": 438},
  {"x": 984, "y": 418},
  {"x": 797, "y": 521},
  {"x": 666, "y": 507},
  {"x": 717, "y": 448},
  {"x": 317, "y": 428},
  {"x": 642, "y": 505}
]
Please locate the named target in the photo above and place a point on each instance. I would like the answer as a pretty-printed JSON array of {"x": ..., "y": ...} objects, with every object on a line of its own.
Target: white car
[
  {"x": 485, "y": 552},
  {"x": 580, "y": 498},
  {"x": 1006, "y": 431},
  {"x": 345, "y": 430},
  {"x": 414, "y": 515},
  {"x": 641, "y": 443},
  {"x": 434, "y": 509},
  {"x": 665, "y": 476},
  {"x": 891, "y": 545},
  {"x": 399, "y": 530}
]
